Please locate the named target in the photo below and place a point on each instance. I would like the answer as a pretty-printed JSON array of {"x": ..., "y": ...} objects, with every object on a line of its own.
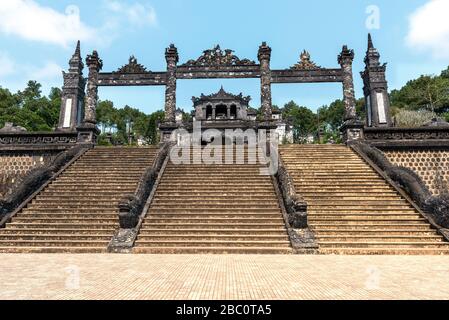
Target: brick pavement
[{"x": 43, "y": 276}]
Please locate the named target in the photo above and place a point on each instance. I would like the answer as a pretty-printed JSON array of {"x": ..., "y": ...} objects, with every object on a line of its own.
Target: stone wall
[
  {"x": 16, "y": 164},
  {"x": 432, "y": 165}
]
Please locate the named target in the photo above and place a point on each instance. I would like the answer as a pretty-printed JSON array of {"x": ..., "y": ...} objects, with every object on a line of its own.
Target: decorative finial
[
  {"x": 78, "y": 49},
  {"x": 370, "y": 42}
]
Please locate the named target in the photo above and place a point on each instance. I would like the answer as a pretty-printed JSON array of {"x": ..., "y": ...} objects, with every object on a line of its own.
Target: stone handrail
[
  {"x": 294, "y": 209},
  {"x": 35, "y": 180},
  {"x": 295, "y": 205},
  {"x": 133, "y": 207},
  {"x": 434, "y": 208},
  {"x": 130, "y": 206}
]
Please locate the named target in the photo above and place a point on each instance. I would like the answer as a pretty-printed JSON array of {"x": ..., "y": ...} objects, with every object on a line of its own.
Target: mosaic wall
[
  {"x": 431, "y": 165},
  {"x": 17, "y": 164}
]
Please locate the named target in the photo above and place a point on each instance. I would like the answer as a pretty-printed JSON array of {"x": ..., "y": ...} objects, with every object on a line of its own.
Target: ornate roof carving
[
  {"x": 218, "y": 57},
  {"x": 132, "y": 67},
  {"x": 221, "y": 95},
  {"x": 305, "y": 63}
]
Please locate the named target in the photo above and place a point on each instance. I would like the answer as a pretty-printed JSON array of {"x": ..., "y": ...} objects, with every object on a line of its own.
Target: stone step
[
  {"x": 180, "y": 210},
  {"x": 207, "y": 188},
  {"x": 181, "y": 220},
  {"x": 67, "y": 216},
  {"x": 56, "y": 201},
  {"x": 54, "y": 232},
  {"x": 93, "y": 187},
  {"x": 207, "y": 191},
  {"x": 92, "y": 221},
  {"x": 212, "y": 243},
  {"x": 186, "y": 198},
  {"x": 410, "y": 231},
  {"x": 365, "y": 219},
  {"x": 376, "y": 238},
  {"x": 407, "y": 225},
  {"x": 100, "y": 178},
  {"x": 72, "y": 250},
  {"x": 86, "y": 194},
  {"x": 149, "y": 224},
  {"x": 384, "y": 251},
  {"x": 214, "y": 215},
  {"x": 218, "y": 179},
  {"x": 74, "y": 204},
  {"x": 221, "y": 206},
  {"x": 331, "y": 198},
  {"x": 379, "y": 203},
  {"x": 54, "y": 243},
  {"x": 219, "y": 231},
  {"x": 63, "y": 225},
  {"x": 146, "y": 238},
  {"x": 374, "y": 244},
  {"x": 53, "y": 237},
  {"x": 87, "y": 210},
  {"x": 211, "y": 250}
]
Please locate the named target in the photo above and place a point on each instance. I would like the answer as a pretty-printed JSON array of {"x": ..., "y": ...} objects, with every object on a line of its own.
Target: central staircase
[
  {"x": 352, "y": 209},
  {"x": 216, "y": 208},
  {"x": 77, "y": 212}
]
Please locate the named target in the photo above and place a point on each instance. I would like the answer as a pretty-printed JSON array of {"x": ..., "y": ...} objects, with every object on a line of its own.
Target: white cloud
[
  {"x": 137, "y": 14},
  {"x": 7, "y": 65},
  {"x": 31, "y": 21},
  {"x": 49, "y": 71},
  {"x": 429, "y": 29}
]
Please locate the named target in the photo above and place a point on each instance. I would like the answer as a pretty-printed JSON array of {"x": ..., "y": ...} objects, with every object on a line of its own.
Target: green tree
[
  {"x": 425, "y": 93},
  {"x": 303, "y": 120}
]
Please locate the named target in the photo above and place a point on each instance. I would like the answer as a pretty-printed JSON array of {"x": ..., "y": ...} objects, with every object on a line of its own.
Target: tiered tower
[
  {"x": 72, "y": 104},
  {"x": 375, "y": 89}
]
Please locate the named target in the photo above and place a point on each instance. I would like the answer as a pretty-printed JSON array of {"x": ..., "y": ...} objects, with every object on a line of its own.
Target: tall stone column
[
  {"x": 264, "y": 57},
  {"x": 95, "y": 64},
  {"x": 352, "y": 129},
  {"x": 345, "y": 60},
  {"x": 88, "y": 131},
  {"x": 72, "y": 102},
  {"x": 172, "y": 58}
]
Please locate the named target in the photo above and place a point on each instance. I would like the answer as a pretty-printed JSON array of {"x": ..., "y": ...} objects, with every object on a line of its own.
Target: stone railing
[
  {"x": 295, "y": 212},
  {"x": 131, "y": 208},
  {"x": 434, "y": 208},
  {"x": 404, "y": 137},
  {"x": 20, "y": 140},
  {"x": 25, "y": 188}
]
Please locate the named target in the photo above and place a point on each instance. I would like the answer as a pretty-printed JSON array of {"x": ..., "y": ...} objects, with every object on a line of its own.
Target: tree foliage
[{"x": 29, "y": 109}]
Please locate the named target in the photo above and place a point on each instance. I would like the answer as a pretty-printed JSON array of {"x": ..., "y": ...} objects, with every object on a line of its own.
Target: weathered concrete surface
[{"x": 42, "y": 276}]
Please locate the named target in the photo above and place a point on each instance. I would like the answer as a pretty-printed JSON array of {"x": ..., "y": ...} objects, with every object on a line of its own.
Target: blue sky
[{"x": 37, "y": 37}]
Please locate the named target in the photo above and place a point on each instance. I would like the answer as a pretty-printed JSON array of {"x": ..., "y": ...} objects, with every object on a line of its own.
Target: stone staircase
[
  {"x": 77, "y": 212},
  {"x": 216, "y": 208},
  {"x": 352, "y": 209}
]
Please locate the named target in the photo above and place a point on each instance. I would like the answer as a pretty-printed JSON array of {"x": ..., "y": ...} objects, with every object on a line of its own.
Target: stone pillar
[
  {"x": 214, "y": 112},
  {"x": 228, "y": 109},
  {"x": 72, "y": 103},
  {"x": 345, "y": 60},
  {"x": 352, "y": 129},
  {"x": 88, "y": 131},
  {"x": 264, "y": 57},
  {"x": 94, "y": 64},
  {"x": 172, "y": 58},
  {"x": 377, "y": 101}
]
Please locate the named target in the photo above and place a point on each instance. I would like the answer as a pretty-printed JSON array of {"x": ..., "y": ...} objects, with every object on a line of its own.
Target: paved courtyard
[{"x": 33, "y": 276}]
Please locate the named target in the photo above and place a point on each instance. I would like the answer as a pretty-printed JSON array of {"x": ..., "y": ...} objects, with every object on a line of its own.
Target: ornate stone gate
[{"x": 220, "y": 64}]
